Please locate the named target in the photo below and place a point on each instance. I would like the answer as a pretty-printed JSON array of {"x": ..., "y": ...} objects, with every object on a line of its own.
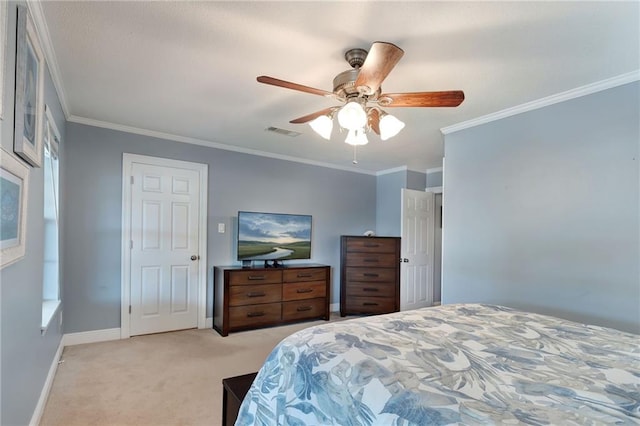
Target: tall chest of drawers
[
  {"x": 251, "y": 298},
  {"x": 370, "y": 275}
]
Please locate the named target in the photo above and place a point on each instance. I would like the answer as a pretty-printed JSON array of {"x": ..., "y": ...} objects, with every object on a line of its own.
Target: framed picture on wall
[
  {"x": 3, "y": 49},
  {"x": 29, "y": 103},
  {"x": 14, "y": 193}
]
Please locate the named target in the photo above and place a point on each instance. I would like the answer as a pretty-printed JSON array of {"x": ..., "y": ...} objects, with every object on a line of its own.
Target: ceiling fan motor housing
[{"x": 344, "y": 83}]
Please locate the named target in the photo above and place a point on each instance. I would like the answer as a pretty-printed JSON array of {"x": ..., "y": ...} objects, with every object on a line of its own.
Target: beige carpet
[{"x": 162, "y": 379}]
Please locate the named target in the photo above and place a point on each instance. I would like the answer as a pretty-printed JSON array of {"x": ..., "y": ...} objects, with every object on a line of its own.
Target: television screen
[{"x": 273, "y": 236}]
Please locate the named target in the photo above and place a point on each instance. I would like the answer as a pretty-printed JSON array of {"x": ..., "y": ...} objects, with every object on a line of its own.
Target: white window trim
[
  {"x": 49, "y": 310},
  {"x": 50, "y": 307}
]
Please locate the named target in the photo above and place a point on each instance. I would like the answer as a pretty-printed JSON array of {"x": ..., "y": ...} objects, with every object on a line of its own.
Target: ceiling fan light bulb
[
  {"x": 352, "y": 116},
  {"x": 389, "y": 126},
  {"x": 323, "y": 126},
  {"x": 356, "y": 137}
]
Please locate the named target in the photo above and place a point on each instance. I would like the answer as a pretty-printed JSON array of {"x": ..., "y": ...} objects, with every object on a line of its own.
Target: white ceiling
[{"x": 188, "y": 69}]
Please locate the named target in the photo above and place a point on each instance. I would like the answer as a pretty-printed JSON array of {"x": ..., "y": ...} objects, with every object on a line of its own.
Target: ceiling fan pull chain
[{"x": 355, "y": 158}]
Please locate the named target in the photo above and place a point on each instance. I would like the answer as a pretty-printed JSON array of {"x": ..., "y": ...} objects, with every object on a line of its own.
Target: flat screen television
[{"x": 273, "y": 236}]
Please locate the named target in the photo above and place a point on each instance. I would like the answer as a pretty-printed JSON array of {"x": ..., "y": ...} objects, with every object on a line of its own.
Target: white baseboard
[
  {"x": 91, "y": 336},
  {"x": 208, "y": 323},
  {"x": 46, "y": 388},
  {"x": 334, "y": 307}
]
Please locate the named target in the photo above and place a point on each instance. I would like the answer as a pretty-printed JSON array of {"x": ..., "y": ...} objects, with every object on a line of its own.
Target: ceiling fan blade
[
  {"x": 293, "y": 86},
  {"x": 307, "y": 118},
  {"x": 374, "y": 120},
  {"x": 451, "y": 98},
  {"x": 381, "y": 59}
]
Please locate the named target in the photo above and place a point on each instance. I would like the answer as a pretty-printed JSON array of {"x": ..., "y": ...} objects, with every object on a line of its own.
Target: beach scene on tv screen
[{"x": 270, "y": 236}]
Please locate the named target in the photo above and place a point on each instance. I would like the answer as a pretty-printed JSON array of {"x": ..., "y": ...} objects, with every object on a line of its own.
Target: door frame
[
  {"x": 203, "y": 173},
  {"x": 438, "y": 190}
]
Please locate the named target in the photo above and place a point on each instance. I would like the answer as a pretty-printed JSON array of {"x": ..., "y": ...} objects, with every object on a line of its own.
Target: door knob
[
  {"x": 405, "y": 260},
  {"x": 194, "y": 257}
]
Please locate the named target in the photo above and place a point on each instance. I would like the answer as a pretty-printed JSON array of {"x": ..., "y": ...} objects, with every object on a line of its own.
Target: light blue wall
[
  {"x": 542, "y": 211},
  {"x": 434, "y": 179},
  {"x": 26, "y": 355},
  {"x": 416, "y": 180},
  {"x": 388, "y": 203},
  {"x": 340, "y": 202}
]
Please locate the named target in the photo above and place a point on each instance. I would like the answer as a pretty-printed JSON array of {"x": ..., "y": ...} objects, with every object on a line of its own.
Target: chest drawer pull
[
  {"x": 371, "y": 260},
  {"x": 255, "y": 277},
  {"x": 255, "y": 314},
  {"x": 256, "y": 294},
  {"x": 371, "y": 245},
  {"x": 304, "y": 308},
  {"x": 304, "y": 275},
  {"x": 304, "y": 290},
  {"x": 369, "y": 304},
  {"x": 369, "y": 274},
  {"x": 370, "y": 289}
]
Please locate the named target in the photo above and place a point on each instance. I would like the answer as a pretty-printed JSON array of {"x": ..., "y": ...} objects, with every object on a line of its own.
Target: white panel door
[
  {"x": 416, "y": 270},
  {"x": 164, "y": 248}
]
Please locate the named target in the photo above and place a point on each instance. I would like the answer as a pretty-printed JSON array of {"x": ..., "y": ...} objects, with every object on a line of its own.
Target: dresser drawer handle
[
  {"x": 304, "y": 308},
  {"x": 305, "y": 275},
  {"x": 256, "y": 294},
  {"x": 255, "y": 277},
  {"x": 371, "y": 245},
  {"x": 371, "y": 260},
  {"x": 255, "y": 314},
  {"x": 370, "y": 289},
  {"x": 304, "y": 290},
  {"x": 368, "y": 274},
  {"x": 369, "y": 304}
]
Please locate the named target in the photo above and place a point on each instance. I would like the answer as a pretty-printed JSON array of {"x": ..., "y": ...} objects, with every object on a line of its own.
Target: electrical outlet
[{"x": 221, "y": 228}]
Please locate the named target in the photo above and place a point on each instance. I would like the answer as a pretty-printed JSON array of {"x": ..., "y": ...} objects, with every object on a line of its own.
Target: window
[{"x": 51, "y": 266}]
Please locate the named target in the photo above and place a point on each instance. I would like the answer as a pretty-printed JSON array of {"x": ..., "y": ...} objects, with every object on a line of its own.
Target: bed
[{"x": 462, "y": 363}]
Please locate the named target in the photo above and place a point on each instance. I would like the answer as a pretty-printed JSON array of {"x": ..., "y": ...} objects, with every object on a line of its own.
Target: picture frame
[
  {"x": 14, "y": 194},
  {"x": 3, "y": 49},
  {"x": 29, "y": 102}
]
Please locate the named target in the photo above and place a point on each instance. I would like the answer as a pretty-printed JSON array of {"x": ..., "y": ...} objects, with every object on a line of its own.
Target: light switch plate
[{"x": 221, "y": 228}]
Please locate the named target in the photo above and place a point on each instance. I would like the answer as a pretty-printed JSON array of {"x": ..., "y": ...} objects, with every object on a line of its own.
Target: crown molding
[
  {"x": 549, "y": 100},
  {"x": 393, "y": 170},
  {"x": 208, "y": 144},
  {"x": 35, "y": 8}
]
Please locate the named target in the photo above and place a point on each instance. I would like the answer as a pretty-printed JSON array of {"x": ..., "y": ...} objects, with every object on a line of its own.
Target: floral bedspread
[{"x": 464, "y": 364}]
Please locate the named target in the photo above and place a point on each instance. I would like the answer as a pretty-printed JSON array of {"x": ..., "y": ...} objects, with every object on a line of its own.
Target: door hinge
[
  {"x": 129, "y": 309},
  {"x": 131, "y": 180},
  {"x": 130, "y": 244}
]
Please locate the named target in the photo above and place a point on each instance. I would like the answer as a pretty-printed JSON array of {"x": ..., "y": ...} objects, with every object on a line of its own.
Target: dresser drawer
[
  {"x": 301, "y": 309},
  {"x": 371, "y": 275},
  {"x": 374, "y": 260},
  {"x": 304, "y": 290},
  {"x": 371, "y": 289},
  {"x": 255, "y": 277},
  {"x": 253, "y": 315},
  {"x": 368, "y": 305},
  {"x": 367, "y": 245},
  {"x": 254, "y": 294},
  {"x": 307, "y": 274}
]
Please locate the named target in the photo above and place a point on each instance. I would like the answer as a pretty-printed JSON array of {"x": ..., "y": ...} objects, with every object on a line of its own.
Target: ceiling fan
[{"x": 359, "y": 91}]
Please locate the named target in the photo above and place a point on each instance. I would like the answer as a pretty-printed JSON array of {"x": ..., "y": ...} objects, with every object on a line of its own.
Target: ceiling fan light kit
[
  {"x": 389, "y": 126},
  {"x": 360, "y": 86},
  {"x": 352, "y": 116},
  {"x": 323, "y": 126}
]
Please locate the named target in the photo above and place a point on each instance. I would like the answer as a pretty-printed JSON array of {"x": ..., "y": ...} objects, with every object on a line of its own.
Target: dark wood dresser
[
  {"x": 370, "y": 275},
  {"x": 247, "y": 298}
]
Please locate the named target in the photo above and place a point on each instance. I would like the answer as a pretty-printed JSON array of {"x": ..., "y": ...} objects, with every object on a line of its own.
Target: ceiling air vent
[{"x": 285, "y": 132}]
